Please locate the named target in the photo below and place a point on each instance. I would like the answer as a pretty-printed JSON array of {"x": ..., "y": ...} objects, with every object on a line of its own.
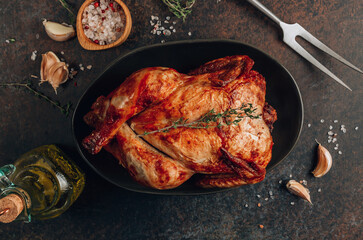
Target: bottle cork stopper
[{"x": 10, "y": 208}]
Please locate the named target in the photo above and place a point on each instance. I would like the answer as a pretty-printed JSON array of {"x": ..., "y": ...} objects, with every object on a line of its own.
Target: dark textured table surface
[{"x": 104, "y": 211}]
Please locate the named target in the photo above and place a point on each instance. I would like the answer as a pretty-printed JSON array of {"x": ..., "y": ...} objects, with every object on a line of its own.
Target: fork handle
[{"x": 263, "y": 9}]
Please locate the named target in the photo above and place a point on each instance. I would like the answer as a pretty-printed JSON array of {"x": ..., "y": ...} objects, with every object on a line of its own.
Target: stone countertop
[{"x": 104, "y": 211}]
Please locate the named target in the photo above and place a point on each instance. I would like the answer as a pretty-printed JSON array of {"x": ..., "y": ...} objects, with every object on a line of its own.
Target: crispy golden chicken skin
[{"x": 154, "y": 98}]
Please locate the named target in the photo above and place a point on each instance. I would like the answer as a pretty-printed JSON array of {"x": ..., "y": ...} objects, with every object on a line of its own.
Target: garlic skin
[
  {"x": 325, "y": 162},
  {"x": 299, "y": 190},
  {"x": 59, "y": 32},
  {"x": 52, "y": 70}
]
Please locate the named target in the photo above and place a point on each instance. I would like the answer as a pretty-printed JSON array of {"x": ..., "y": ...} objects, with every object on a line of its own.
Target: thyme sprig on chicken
[
  {"x": 180, "y": 8},
  {"x": 207, "y": 120},
  {"x": 27, "y": 85}
]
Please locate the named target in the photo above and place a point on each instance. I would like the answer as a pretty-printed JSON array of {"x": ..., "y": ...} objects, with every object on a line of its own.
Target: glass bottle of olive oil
[{"x": 41, "y": 184}]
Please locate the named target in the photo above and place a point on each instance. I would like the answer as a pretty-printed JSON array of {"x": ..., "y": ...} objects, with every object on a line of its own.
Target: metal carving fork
[{"x": 291, "y": 31}]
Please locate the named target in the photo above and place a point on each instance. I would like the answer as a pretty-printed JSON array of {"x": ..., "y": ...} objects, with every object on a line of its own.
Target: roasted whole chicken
[{"x": 154, "y": 98}]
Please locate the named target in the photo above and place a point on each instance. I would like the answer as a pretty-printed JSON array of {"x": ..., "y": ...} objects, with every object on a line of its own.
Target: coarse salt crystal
[
  {"x": 7, "y": 41},
  {"x": 322, "y": 120},
  {"x": 259, "y": 196},
  {"x": 319, "y": 190},
  {"x": 335, "y": 121},
  {"x": 266, "y": 199},
  {"x": 292, "y": 203},
  {"x": 280, "y": 181},
  {"x": 340, "y": 152},
  {"x": 162, "y": 41},
  {"x": 246, "y": 205},
  {"x": 356, "y": 128},
  {"x": 167, "y": 32},
  {"x": 33, "y": 56},
  {"x": 330, "y": 127},
  {"x": 330, "y": 133},
  {"x": 189, "y": 33},
  {"x": 167, "y": 18},
  {"x": 290, "y": 175},
  {"x": 309, "y": 125}
]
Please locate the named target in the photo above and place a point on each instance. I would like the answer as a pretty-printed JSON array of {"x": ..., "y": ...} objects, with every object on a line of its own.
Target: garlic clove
[
  {"x": 53, "y": 70},
  {"x": 59, "y": 32},
  {"x": 325, "y": 161},
  {"x": 48, "y": 60},
  {"x": 58, "y": 74},
  {"x": 298, "y": 190}
]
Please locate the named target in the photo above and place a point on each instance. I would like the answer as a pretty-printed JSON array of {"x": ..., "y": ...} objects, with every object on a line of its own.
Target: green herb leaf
[{"x": 180, "y": 8}]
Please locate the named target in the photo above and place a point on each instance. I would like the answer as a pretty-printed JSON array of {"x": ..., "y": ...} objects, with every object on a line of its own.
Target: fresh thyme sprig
[
  {"x": 69, "y": 9},
  {"x": 178, "y": 8},
  {"x": 64, "y": 109},
  {"x": 246, "y": 110}
]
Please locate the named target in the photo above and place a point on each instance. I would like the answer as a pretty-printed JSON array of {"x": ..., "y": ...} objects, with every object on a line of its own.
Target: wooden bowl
[{"x": 88, "y": 44}]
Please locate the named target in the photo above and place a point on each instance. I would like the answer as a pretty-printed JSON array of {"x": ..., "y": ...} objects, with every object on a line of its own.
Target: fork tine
[
  {"x": 294, "y": 45},
  {"x": 317, "y": 43}
]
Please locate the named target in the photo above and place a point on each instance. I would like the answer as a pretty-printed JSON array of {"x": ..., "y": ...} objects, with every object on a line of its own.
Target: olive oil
[{"x": 46, "y": 180}]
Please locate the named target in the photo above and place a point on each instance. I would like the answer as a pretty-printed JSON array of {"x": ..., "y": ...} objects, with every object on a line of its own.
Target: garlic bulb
[
  {"x": 59, "y": 32},
  {"x": 52, "y": 70}
]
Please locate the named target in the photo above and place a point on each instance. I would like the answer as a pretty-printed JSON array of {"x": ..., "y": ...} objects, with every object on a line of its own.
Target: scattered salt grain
[
  {"x": 330, "y": 133},
  {"x": 37, "y": 36},
  {"x": 319, "y": 190},
  {"x": 167, "y": 32},
  {"x": 34, "y": 55},
  {"x": 81, "y": 68},
  {"x": 322, "y": 120},
  {"x": 189, "y": 34},
  {"x": 335, "y": 121},
  {"x": 292, "y": 203},
  {"x": 246, "y": 205},
  {"x": 356, "y": 128},
  {"x": 162, "y": 41},
  {"x": 62, "y": 52},
  {"x": 309, "y": 125},
  {"x": 340, "y": 152},
  {"x": 259, "y": 196},
  {"x": 167, "y": 18},
  {"x": 266, "y": 199},
  {"x": 7, "y": 41},
  {"x": 290, "y": 175},
  {"x": 270, "y": 193},
  {"x": 280, "y": 181}
]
